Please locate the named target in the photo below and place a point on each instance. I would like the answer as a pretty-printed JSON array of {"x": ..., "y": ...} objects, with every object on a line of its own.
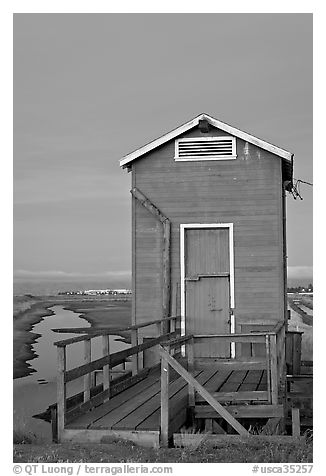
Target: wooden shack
[
  {"x": 209, "y": 311},
  {"x": 209, "y": 231}
]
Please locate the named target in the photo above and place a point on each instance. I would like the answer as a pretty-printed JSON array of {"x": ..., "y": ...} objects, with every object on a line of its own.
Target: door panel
[
  {"x": 207, "y": 251},
  {"x": 207, "y": 312},
  {"x": 207, "y": 288}
]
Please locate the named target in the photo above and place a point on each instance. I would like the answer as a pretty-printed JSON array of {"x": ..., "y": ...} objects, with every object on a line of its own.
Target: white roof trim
[{"x": 214, "y": 122}]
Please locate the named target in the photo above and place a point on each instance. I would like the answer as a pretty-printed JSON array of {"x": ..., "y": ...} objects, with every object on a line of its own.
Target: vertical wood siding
[
  {"x": 207, "y": 251},
  {"x": 246, "y": 192}
]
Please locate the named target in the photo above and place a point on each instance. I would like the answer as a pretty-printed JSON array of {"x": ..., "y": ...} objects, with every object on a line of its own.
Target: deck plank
[
  {"x": 251, "y": 381},
  {"x": 134, "y": 420},
  {"x": 86, "y": 420},
  {"x": 262, "y": 386},
  {"x": 110, "y": 419},
  {"x": 217, "y": 380},
  {"x": 152, "y": 421},
  {"x": 234, "y": 381}
]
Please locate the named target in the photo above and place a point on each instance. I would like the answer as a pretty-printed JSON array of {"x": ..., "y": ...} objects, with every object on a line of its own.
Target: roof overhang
[{"x": 284, "y": 154}]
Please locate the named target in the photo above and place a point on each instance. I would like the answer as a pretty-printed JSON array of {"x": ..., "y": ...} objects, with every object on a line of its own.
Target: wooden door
[{"x": 207, "y": 288}]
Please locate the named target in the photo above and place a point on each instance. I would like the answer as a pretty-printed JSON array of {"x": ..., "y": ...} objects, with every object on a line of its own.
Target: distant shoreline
[
  {"x": 24, "y": 338},
  {"x": 30, "y": 310}
]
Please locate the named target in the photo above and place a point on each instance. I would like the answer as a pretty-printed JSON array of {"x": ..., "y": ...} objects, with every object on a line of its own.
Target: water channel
[{"x": 34, "y": 393}]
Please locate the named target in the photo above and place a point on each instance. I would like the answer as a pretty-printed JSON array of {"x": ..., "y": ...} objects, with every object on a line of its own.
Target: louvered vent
[{"x": 208, "y": 148}]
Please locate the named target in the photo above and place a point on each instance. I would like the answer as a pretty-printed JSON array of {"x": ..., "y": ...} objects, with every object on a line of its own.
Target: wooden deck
[
  {"x": 137, "y": 409},
  {"x": 148, "y": 406}
]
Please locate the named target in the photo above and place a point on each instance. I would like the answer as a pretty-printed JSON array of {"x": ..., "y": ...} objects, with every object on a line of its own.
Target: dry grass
[
  {"x": 21, "y": 434},
  {"x": 124, "y": 452}
]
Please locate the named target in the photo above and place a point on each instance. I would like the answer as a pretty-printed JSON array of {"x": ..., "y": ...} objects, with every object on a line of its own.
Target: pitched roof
[{"x": 127, "y": 159}]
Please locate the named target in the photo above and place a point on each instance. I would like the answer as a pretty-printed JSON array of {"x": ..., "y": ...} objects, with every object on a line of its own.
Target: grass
[
  {"x": 24, "y": 438},
  {"x": 21, "y": 434},
  {"x": 125, "y": 452},
  {"x": 306, "y": 319}
]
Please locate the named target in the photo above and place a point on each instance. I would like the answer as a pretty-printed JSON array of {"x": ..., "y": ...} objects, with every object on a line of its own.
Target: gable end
[{"x": 284, "y": 154}]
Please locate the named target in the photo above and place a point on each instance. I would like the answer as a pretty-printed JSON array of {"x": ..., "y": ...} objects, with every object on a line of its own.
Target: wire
[
  {"x": 303, "y": 181},
  {"x": 295, "y": 190}
]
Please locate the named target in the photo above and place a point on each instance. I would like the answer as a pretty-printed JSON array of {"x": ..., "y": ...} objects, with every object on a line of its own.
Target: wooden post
[
  {"x": 282, "y": 356},
  {"x": 165, "y": 371},
  {"x": 54, "y": 424},
  {"x": 268, "y": 368},
  {"x": 61, "y": 391},
  {"x": 208, "y": 425},
  {"x": 296, "y": 356},
  {"x": 295, "y": 422},
  {"x": 293, "y": 351},
  {"x": 172, "y": 329},
  {"x": 141, "y": 354},
  {"x": 282, "y": 377},
  {"x": 159, "y": 329},
  {"x": 173, "y": 325},
  {"x": 191, "y": 361},
  {"x": 166, "y": 271},
  {"x": 87, "y": 377},
  {"x": 134, "y": 358},
  {"x": 274, "y": 372},
  {"x": 106, "y": 368},
  {"x": 288, "y": 352}
]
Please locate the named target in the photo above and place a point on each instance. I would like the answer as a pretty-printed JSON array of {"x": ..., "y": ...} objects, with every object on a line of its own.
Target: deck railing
[
  {"x": 273, "y": 362},
  {"x": 166, "y": 328},
  {"x": 169, "y": 339}
]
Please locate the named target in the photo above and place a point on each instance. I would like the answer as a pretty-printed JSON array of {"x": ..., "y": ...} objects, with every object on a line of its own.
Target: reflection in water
[{"x": 34, "y": 393}]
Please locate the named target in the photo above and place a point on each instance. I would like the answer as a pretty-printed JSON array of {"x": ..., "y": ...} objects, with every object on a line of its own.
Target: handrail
[
  {"x": 112, "y": 360},
  {"x": 177, "y": 341},
  {"x": 95, "y": 332},
  {"x": 274, "y": 331}
]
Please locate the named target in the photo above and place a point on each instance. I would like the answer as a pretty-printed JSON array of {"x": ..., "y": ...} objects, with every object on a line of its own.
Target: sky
[{"x": 90, "y": 88}]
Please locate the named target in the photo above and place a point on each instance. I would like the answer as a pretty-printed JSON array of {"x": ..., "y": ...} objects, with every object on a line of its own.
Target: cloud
[
  {"x": 57, "y": 274},
  {"x": 300, "y": 272}
]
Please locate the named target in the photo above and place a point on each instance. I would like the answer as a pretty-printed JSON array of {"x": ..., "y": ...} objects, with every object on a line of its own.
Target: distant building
[{"x": 98, "y": 292}]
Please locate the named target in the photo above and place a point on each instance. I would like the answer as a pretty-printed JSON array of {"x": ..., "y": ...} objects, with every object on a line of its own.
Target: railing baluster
[
  {"x": 159, "y": 329},
  {"x": 61, "y": 391},
  {"x": 87, "y": 377},
  {"x": 141, "y": 354},
  {"x": 165, "y": 377},
  {"x": 268, "y": 368},
  {"x": 295, "y": 414},
  {"x": 274, "y": 373},
  {"x": 134, "y": 358},
  {"x": 191, "y": 362},
  {"x": 106, "y": 368},
  {"x": 172, "y": 325}
]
